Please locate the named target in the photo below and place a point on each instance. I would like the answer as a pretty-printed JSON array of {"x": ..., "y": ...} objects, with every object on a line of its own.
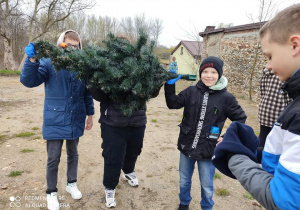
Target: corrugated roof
[
  {"x": 233, "y": 29},
  {"x": 194, "y": 47}
]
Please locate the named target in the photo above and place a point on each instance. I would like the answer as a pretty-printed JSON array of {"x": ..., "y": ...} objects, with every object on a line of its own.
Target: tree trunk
[
  {"x": 22, "y": 62},
  {"x": 9, "y": 61}
]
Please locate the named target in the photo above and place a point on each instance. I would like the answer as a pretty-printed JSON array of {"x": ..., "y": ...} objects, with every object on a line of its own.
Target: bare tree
[
  {"x": 141, "y": 24},
  {"x": 156, "y": 27},
  {"x": 127, "y": 27},
  {"x": 266, "y": 10},
  {"x": 7, "y": 12},
  {"x": 46, "y": 14},
  {"x": 97, "y": 28},
  {"x": 224, "y": 25},
  {"x": 194, "y": 36}
]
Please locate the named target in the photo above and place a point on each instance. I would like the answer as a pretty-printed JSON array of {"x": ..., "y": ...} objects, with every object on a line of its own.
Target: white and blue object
[{"x": 214, "y": 133}]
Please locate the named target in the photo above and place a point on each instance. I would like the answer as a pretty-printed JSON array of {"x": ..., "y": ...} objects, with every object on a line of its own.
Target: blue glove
[
  {"x": 239, "y": 139},
  {"x": 29, "y": 50},
  {"x": 172, "y": 81}
]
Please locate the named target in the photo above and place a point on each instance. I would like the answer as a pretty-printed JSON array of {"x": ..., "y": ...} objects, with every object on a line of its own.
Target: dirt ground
[{"x": 21, "y": 110}]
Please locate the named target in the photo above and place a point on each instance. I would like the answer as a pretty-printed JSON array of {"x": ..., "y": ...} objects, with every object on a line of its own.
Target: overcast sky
[{"x": 183, "y": 17}]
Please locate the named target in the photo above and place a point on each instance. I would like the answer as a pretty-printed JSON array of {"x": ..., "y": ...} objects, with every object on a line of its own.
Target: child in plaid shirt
[{"x": 272, "y": 101}]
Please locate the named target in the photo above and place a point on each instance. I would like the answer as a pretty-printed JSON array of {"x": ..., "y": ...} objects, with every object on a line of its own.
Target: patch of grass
[
  {"x": 149, "y": 175},
  {"x": 154, "y": 120},
  {"x": 257, "y": 133},
  {"x": 15, "y": 173},
  {"x": 179, "y": 120},
  {"x": 35, "y": 128},
  {"x": 252, "y": 117},
  {"x": 25, "y": 134},
  {"x": 156, "y": 125},
  {"x": 217, "y": 176},
  {"x": 8, "y": 118},
  {"x": 27, "y": 150},
  {"x": 9, "y": 73},
  {"x": 37, "y": 137},
  {"x": 248, "y": 196},
  {"x": 169, "y": 114},
  {"x": 222, "y": 192},
  {"x": 2, "y": 137}
]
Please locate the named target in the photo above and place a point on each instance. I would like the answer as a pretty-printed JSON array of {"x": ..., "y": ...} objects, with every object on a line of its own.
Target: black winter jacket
[
  {"x": 220, "y": 106},
  {"x": 111, "y": 114}
]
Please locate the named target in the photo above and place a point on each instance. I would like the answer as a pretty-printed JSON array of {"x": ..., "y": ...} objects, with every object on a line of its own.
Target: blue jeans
[{"x": 206, "y": 172}]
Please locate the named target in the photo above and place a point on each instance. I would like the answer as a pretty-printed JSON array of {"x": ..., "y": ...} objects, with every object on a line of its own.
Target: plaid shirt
[{"x": 272, "y": 99}]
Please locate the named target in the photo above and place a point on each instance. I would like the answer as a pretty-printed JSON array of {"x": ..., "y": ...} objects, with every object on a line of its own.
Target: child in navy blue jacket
[{"x": 67, "y": 105}]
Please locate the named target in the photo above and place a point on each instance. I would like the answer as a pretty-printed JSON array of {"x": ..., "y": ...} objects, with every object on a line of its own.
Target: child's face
[
  {"x": 280, "y": 58},
  {"x": 209, "y": 76},
  {"x": 72, "y": 43}
]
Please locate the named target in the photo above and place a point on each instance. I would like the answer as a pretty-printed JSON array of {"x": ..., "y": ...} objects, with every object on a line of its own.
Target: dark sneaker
[{"x": 183, "y": 207}]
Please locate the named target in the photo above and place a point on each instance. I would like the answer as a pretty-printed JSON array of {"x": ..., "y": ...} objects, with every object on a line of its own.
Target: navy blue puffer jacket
[{"x": 67, "y": 100}]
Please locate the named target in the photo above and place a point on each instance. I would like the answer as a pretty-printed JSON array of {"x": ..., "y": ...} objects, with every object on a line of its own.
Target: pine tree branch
[{"x": 129, "y": 74}]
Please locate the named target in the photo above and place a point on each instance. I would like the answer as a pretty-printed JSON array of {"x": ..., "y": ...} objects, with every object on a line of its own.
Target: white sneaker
[
  {"x": 110, "y": 198},
  {"x": 52, "y": 202},
  {"x": 73, "y": 190},
  {"x": 131, "y": 178}
]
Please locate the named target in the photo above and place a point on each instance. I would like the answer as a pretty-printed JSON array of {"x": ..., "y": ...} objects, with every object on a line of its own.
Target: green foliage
[
  {"x": 3, "y": 137},
  {"x": 217, "y": 176},
  {"x": 27, "y": 150},
  {"x": 24, "y": 134},
  {"x": 35, "y": 128},
  {"x": 248, "y": 196},
  {"x": 154, "y": 120},
  {"x": 222, "y": 192},
  {"x": 15, "y": 173},
  {"x": 10, "y": 73},
  {"x": 129, "y": 73}
]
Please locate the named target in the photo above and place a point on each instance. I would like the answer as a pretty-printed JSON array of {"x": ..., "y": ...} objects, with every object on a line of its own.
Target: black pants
[
  {"x": 264, "y": 131},
  {"x": 121, "y": 147}
]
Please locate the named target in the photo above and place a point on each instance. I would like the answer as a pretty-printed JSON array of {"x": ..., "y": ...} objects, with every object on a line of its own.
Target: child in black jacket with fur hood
[{"x": 206, "y": 107}]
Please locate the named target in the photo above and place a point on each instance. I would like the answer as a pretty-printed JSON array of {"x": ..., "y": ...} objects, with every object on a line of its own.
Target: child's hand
[
  {"x": 29, "y": 50},
  {"x": 89, "y": 122},
  {"x": 172, "y": 81},
  {"x": 219, "y": 140}
]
